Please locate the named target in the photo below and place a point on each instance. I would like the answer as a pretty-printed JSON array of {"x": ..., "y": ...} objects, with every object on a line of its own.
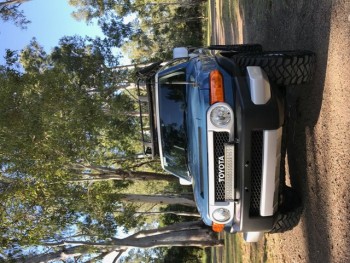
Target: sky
[{"x": 50, "y": 20}]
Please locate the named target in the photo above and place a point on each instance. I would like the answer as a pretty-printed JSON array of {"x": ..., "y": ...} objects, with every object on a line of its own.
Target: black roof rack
[{"x": 148, "y": 121}]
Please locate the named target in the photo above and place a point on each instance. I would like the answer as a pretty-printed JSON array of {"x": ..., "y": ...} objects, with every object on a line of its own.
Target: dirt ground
[{"x": 319, "y": 137}]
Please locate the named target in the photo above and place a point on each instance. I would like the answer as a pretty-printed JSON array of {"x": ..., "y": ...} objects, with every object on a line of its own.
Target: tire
[
  {"x": 237, "y": 48},
  {"x": 289, "y": 213},
  {"x": 283, "y": 68}
]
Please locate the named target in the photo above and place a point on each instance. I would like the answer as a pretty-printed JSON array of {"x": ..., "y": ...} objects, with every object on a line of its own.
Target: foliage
[
  {"x": 115, "y": 29},
  {"x": 157, "y": 27},
  {"x": 161, "y": 255},
  {"x": 144, "y": 255},
  {"x": 9, "y": 11},
  {"x": 63, "y": 110},
  {"x": 183, "y": 255},
  {"x": 160, "y": 28}
]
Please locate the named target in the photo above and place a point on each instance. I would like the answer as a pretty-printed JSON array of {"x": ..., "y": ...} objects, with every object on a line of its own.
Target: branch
[
  {"x": 141, "y": 164},
  {"x": 62, "y": 254},
  {"x": 77, "y": 243},
  {"x": 10, "y": 2},
  {"x": 118, "y": 256}
]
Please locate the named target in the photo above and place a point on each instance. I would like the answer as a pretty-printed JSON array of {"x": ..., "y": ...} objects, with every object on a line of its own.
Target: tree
[
  {"x": 9, "y": 10},
  {"x": 186, "y": 200},
  {"x": 158, "y": 27},
  {"x": 62, "y": 109},
  {"x": 194, "y": 234},
  {"x": 50, "y": 123},
  {"x": 90, "y": 9},
  {"x": 98, "y": 173},
  {"x": 161, "y": 28},
  {"x": 115, "y": 29}
]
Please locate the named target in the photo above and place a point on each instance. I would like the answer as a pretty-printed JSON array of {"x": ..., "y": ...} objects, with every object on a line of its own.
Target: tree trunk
[
  {"x": 194, "y": 234},
  {"x": 136, "y": 176},
  {"x": 186, "y": 200},
  {"x": 178, "y": 213},
  {"x": 107, "y": 173},
  {"x": 62, "y": 254}
]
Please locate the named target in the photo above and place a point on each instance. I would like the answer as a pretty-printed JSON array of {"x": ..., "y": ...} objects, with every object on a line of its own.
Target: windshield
[{"x": 172, "y": 111}]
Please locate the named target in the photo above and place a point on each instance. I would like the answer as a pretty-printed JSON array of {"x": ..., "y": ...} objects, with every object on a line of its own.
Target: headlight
[
  {"x": 220, "y": 116},
  {"x": 221, "y": 214}
]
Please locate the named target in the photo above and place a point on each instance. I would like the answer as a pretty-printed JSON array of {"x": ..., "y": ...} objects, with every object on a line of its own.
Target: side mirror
[
  {"x": 180, "y": 52},
  {"x": 185, "y": 182}
]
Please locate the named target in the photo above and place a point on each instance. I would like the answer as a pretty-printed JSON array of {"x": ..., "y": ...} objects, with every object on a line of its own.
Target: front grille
[
  {"x": 220, "y": 138},
  {"x": 256, "y": 172}
]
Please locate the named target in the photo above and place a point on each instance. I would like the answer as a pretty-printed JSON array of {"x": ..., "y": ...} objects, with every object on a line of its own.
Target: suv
[{"x": 216, "y": 118}]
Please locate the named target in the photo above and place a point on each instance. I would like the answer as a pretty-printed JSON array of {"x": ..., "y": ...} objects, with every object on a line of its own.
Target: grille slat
[
  {"x": 220, "y": 138},
  {"x": 256, "y": 172}
]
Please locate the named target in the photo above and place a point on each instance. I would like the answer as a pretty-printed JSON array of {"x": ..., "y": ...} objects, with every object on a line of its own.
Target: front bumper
[
  {"x": 258, "y": 157},
  {"x": 257, "y": 134}
]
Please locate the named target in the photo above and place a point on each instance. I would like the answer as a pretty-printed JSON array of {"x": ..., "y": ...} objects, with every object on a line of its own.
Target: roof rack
[{"x": 149, "y": 139}]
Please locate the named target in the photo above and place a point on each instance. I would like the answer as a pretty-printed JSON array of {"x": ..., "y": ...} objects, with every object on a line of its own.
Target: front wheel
[
  {"x": 289, "y": 211},
  {"x": 283, "y": 68}
]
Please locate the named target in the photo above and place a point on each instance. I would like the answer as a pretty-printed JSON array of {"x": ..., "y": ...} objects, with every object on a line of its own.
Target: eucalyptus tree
[
  {"x": 146, "y": 30},
  {"x": 90, "y": 9},
  {"x": 161, "y": 27},
  {"x": 193, "y": 234},
  {"x": 57, "y": 114}
]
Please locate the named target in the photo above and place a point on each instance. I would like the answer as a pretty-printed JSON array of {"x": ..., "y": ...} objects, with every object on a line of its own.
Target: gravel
[{"x": 319, "y": 138}]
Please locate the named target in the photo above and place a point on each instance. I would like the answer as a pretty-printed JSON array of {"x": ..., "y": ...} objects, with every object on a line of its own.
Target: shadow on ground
[{"x": 299, "y": 25}]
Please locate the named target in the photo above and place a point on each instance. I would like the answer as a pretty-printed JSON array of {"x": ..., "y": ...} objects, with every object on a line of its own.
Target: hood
[{"x": 197, "y": 148}]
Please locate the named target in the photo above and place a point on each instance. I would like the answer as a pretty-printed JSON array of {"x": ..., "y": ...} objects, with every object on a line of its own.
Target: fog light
[
  {"x": 221, "y": 214},
  {"x": 220, "y": 116}
]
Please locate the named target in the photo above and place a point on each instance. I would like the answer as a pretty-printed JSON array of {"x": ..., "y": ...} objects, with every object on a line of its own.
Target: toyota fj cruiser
[{"x": 216, "y": 122}]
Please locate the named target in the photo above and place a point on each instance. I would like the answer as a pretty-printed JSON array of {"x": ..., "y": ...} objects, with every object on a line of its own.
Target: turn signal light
[
  {"x": 217, "y": 227},
  {"x": 216, "y": 87}
]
